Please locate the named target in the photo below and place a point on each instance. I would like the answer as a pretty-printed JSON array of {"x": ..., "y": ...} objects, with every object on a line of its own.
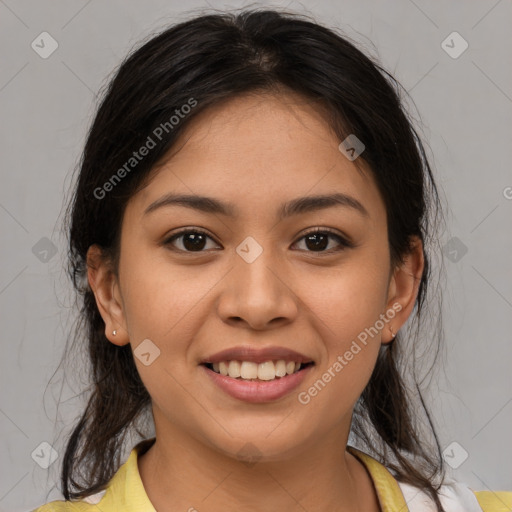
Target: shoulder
[
  {"x": 124, "y": 491},
  {"x": 88, "y": 504},
  {"x": 499, "y": 501},
  {"x": 454, "y": 496},
  {"x": 457, "y": 497}
]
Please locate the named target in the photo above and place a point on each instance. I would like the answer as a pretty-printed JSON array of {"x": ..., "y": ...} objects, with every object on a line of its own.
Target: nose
[{"x": 257, "y": 295}]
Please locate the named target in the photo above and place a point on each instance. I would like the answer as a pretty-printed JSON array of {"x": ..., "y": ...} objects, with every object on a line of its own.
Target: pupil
[
  {"x": 317, "y": 245},
  {"x": 197, "y": 241}
]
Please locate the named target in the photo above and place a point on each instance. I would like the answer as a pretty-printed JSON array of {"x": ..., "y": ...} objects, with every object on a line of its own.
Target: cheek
[
  {"x": 158, "y": 299},
  {"x": 161, "y": 305},
  {"x": 348, "y": 299},
  {"x": 345, "y": 307}
]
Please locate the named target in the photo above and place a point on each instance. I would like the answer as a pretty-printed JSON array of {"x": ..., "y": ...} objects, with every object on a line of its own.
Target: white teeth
[
  {"x": 280, "y": 368},
  {"x": 266, "y": 371},
  {"x": 234, "y": 369},
  {"x": 248, "y": 370},
  {"x": 223, "y": 368}
]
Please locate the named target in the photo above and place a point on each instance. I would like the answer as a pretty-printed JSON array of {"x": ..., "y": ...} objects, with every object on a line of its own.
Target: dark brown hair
[{"x": 213, "y": 58}]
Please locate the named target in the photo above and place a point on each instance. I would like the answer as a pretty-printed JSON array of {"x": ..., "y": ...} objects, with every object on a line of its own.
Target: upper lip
[{"x": 257, "y": 355}]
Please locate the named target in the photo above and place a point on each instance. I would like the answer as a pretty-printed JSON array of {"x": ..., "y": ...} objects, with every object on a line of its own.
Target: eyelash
[{"x": 343, "y": 242}]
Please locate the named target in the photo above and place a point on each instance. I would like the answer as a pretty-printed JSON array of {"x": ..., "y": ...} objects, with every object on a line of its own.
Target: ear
[
  {"x": 105, "y": 287},
  {"x": 403, "y": 288}
]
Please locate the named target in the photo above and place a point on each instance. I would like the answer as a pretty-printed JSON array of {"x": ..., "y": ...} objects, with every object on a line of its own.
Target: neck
[{"x": 181, "y": 473}]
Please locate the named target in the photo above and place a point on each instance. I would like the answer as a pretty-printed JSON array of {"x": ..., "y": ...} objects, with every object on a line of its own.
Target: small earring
[
  {"x": 393, "y": 334},
  {"x": 114, "y": 332}
]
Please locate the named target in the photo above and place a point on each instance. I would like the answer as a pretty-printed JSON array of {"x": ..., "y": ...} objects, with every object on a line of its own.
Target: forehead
[{"x": 260, "y": 150}]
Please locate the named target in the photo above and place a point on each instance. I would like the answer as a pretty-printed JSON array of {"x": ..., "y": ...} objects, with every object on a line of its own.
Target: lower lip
[{"x": 258, "y": 391}]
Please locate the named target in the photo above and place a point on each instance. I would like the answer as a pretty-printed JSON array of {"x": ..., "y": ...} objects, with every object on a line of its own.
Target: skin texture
[{"x": 257, "y": 152}]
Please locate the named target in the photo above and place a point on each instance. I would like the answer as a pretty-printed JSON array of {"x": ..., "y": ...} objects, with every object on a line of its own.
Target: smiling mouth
[{"x": 250, "y": 371}]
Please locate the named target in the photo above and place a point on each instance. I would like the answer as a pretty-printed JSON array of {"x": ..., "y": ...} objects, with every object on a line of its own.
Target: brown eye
[
  {"x": 192, "y": 240},
  {"x": 318, "y": 241}
]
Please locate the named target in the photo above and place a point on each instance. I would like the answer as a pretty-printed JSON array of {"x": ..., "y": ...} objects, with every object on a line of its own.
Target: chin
[{"x": 260, "y": 443}]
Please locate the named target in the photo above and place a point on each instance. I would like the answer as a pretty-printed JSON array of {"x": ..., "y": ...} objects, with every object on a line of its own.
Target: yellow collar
[
  {"x": 389, "y": 493},
  {"x": 127, "y": 490}
]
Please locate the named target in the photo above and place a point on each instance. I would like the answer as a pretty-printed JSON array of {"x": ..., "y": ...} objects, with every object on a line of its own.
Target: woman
[{"x": 248, "y": 232}]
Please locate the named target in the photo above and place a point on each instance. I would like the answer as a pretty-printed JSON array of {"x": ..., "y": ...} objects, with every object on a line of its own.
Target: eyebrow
[{"x": 296, "y": 206}]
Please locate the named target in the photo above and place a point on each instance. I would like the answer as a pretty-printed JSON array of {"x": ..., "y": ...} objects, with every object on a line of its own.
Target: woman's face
[{"x": 255, "y": 279}]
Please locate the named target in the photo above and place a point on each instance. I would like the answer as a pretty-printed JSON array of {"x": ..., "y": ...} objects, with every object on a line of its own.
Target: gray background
[{"x": 465, "y": 106}]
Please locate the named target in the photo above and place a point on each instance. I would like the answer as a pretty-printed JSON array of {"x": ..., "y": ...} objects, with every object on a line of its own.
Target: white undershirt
[{"x": 454, "y": 497}]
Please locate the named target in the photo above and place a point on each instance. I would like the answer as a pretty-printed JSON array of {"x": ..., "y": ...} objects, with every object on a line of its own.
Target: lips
[
  {"x": 257, "y": 391},
  {"x": 257, "y": 355},
  {"x": 243, "y": 372}
]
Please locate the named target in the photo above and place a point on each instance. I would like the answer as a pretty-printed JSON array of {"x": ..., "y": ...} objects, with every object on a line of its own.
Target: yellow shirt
[{"x": 125, "y": 492}]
